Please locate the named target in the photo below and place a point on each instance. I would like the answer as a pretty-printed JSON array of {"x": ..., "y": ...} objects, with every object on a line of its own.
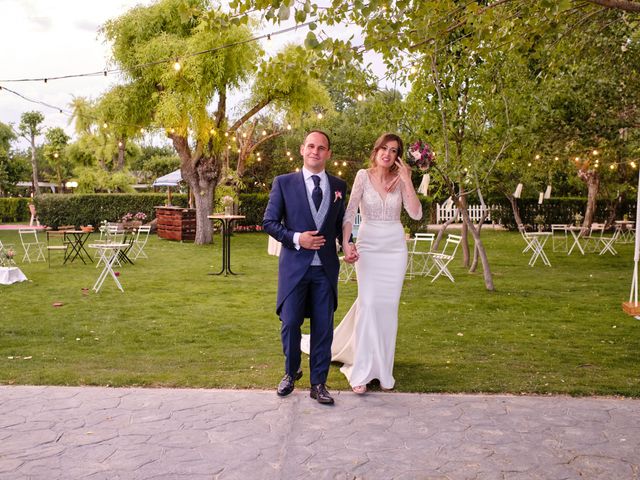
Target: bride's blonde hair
[{"x": 381, "y": 142}]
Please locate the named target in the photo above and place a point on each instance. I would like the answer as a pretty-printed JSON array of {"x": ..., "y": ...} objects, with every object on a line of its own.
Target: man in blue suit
[{"x": 304, "y": 213}]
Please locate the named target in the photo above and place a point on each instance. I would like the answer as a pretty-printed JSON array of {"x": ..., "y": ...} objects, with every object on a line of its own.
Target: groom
[{"x": 304, "y": 213}]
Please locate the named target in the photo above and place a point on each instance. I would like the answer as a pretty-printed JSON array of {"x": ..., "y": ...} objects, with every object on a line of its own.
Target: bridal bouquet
[{"x": 421, "y": 155}]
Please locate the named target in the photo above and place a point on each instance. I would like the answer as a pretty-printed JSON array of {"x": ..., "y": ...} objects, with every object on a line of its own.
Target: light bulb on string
[
  {"x": 55, "y": 155},
  {"x": 244, "y": 134},
  {"x": 344, "y": 164},
  {"x": 233, "y": 139},
  {"x": 226, "y": 134},
  {"x": 612, "y": 166},
  {"x": 319, "y": 116},
  {"x": 633, "y": 165},
  {"x": 142, "y": 130},
  {"x": 264, "y": 133},
  {"x": 120, "y": 144},
  {"x": 556, "y": 159},
  {"x": 105, "y": 125},
  {"x": 176, "y": 65},
  {"x": 414, "y": 69},
  {"x": 340, "y": 172},
  {"x": 595, "y": 152},
  {"x": 360, "y": 97},
  {"x": 335, "y": 164},
  {"x": 297, "y": 169},
  {"x": 537, "y": 157},
  {"x": 288, "y": 127}
]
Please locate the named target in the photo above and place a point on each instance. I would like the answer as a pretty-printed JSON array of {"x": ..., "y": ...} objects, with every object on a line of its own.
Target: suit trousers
[{"x": 312, "y": 296}]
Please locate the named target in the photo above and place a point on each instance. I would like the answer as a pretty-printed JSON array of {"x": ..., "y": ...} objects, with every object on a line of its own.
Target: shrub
[
  {"x": 14, "y": 210},
  {"x": 91, "y": 209}
]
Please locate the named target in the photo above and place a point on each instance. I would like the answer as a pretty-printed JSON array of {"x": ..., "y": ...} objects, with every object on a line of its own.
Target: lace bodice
[{"x": 372, "y": 206}]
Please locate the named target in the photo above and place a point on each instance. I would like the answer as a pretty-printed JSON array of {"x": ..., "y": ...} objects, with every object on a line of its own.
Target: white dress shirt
[{"x": 308, "y": 182}]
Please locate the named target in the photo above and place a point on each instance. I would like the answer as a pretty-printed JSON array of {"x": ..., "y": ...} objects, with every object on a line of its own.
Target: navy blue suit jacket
[{"x": 288, "y": 212}]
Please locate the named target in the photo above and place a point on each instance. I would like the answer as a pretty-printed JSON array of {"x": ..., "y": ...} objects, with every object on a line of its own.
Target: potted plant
[{"x": 578, "y": 219}]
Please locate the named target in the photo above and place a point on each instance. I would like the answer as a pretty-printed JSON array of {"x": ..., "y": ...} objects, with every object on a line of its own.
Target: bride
[{"x": 365, "y": 340}]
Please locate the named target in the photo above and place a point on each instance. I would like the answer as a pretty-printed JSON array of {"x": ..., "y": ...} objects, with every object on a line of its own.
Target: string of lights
[{"x": 172, "y": 59}]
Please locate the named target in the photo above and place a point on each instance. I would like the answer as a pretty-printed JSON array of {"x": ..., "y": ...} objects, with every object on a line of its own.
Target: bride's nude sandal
[{"x": 360, "y": 389}]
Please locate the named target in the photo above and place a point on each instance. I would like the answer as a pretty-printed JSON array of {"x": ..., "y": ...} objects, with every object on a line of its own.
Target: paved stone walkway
[{"x": 135, "y": 433}]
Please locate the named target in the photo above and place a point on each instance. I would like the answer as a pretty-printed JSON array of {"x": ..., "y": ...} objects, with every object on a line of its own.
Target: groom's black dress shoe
[
  {"x": 288, "y": 383},
  {"x": 319, "y": 392}
]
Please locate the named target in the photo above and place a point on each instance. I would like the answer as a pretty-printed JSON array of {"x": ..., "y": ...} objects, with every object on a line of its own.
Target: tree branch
[
  {"x": 626, "y": 5},
  {"x": 259, "y": 106}
]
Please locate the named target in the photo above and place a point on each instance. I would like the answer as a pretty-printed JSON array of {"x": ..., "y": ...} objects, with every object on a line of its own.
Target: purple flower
[{"x": 421, "y": 155}]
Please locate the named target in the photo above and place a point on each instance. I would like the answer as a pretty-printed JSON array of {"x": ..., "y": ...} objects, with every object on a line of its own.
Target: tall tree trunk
[
  {"x": 592, "y": 179},
  {"x": 202, "y": 174},
  {"x": 476, "y": 251},
  {"x": 486, "y": 269},
  {"x": 35, "y": 180},
  {"x": 514, "y": 207},
  {"x": 464, "y": 232}
]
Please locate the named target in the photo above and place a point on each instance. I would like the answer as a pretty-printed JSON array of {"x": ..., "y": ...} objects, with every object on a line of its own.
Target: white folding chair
[
  {"x": 31, "y": 245},
  {"x": 112, "y": 234},
  {"x": 536, "y": 243},
  {"x": 559, "y": 238},
  {"x": 442, "y": 259},
  {"x": 527, "y": 240},
  {"x": 142, "y": 236},
  {"x": 418, "y": 259},
  {"x": 608, "y": 243},
  {"x": 593, "y": 239}
]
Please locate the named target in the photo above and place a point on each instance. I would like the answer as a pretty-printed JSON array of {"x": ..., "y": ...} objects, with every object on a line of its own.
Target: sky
[{"x": 48, "y": 38}]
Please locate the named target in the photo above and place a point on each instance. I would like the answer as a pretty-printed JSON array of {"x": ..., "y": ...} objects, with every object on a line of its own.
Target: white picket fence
[{"x": 447, "y": 210}]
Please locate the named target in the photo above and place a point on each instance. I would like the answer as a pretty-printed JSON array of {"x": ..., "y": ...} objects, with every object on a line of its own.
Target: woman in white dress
[{"x": 365, "y": 340}]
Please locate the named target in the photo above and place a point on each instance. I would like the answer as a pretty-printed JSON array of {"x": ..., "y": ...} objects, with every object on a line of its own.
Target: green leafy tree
[
  {"x": 29, "y": 129},
  {"x": 12, "y": 167},
  {"x": 191, "y": 103},
  {"x": 54, "y": 151}
]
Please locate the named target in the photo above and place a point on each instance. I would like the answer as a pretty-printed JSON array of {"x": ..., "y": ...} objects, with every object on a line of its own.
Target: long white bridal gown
[{"x": 365, "y": 340}]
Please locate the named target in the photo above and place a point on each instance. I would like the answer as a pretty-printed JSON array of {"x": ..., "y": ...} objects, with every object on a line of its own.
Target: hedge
[
  {"x": 14, "y": 210},
  {"x": 78, "y": 209}
]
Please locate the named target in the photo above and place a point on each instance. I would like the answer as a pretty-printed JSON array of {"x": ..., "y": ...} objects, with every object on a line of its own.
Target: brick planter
[{"x": 176, "y": 223}]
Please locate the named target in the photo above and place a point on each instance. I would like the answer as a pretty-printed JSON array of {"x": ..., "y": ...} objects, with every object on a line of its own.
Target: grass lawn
[{"x": 556, "y": 329}]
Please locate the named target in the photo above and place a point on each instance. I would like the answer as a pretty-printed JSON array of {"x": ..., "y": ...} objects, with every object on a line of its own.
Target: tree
[
  {"x": 11, "y": 166},
  {"x": 29, "y": 129},
  {"x": 450, "y": 44},
  {"x": 178, "y": 95},
  {"x": 55, "y": 154}
]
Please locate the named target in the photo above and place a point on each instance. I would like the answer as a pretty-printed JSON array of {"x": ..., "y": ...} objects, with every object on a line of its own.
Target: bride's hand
[
  {"x": 404, "y": 171},
  {"x": 350, "y": 252}
]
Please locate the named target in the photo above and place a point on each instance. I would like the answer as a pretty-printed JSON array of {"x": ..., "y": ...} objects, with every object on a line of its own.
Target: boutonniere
[{"x": 338, "y": 196}]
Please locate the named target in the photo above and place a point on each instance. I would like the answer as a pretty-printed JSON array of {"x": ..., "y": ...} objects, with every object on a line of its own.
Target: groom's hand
[{"x": 311, "y": 240}]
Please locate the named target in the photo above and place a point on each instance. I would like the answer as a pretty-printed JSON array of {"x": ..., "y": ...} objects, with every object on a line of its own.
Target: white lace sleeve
[
  {"x": 411, "y": 202},
  {"x": 354, "y": 198}
]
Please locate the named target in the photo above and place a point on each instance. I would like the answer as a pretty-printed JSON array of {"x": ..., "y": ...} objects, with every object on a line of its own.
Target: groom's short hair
[{"x": 321, "y": 133}]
